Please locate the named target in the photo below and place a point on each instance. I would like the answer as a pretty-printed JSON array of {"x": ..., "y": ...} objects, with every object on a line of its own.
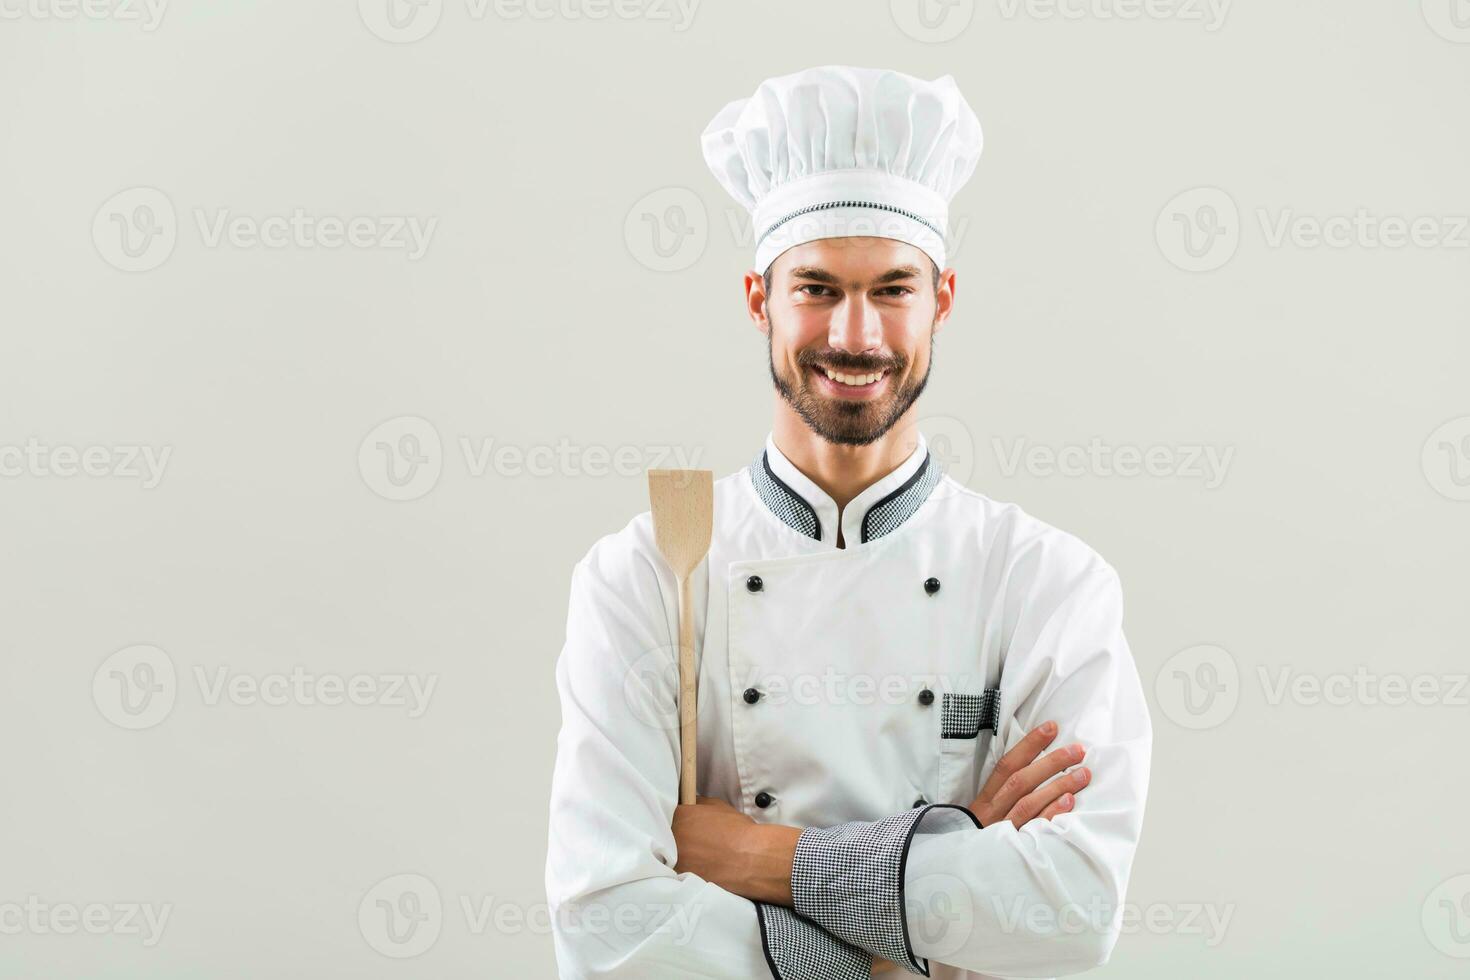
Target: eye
[
  {"x": 811, "y": 285},
  {"x": 896, "y": 290}
]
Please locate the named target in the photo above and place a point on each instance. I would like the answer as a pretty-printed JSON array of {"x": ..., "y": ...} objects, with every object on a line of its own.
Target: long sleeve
[
  {"x": 1042, "y": 900},
  {"x": 618, "y": 909}
]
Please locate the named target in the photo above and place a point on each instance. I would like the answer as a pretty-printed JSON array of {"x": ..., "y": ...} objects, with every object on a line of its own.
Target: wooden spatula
[{"x": 683, "y": 518}]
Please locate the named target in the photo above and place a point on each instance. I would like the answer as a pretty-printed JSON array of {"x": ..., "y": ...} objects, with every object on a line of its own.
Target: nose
[{"x": 856, "y": 326}]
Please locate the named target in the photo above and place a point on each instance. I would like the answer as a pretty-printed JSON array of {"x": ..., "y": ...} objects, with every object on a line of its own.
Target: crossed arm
[
  {"x": 754, "y": 860},
  {"x": 723, "y": 845}
]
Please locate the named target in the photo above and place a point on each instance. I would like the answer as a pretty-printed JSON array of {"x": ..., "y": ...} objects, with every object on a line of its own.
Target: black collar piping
[{"x": 882, "y": 518}]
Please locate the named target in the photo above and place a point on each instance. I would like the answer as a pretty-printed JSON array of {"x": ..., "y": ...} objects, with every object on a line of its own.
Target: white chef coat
[{"x": 850, "y": 691}]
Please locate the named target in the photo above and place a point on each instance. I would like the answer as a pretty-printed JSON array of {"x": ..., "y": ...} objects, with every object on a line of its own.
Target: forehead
[{"x": 854, "y": 259}]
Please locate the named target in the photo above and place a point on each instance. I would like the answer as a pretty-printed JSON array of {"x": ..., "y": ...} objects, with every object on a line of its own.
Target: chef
[{"x": 922, "y": 742}]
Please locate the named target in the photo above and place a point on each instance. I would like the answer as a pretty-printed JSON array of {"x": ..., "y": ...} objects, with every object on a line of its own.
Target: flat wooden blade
[{"x": 683, "y": 503}]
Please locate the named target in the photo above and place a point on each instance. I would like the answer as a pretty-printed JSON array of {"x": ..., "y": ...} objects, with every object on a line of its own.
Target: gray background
[{"x": 545, "y": 313}]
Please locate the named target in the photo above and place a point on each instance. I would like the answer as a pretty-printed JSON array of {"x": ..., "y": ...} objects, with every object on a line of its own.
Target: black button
[
  {"x": 754, "y": 584},
  {"x": 752, "y": 695},
  {"x": 763, "y": 799},
  {"x": 921, "y": 802},
  {"x": 931, "y": 585},
  {"x": 926, "y": 696}
]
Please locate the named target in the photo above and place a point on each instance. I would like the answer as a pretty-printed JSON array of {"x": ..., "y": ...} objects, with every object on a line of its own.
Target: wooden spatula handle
[{"x": 688, "y": 720}]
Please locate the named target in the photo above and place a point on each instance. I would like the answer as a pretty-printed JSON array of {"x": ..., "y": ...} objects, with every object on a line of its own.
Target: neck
[{"x": 842, "y": 472}]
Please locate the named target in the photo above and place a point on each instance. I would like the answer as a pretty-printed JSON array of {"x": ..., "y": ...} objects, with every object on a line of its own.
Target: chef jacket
[{"x": 864, "y": 694}]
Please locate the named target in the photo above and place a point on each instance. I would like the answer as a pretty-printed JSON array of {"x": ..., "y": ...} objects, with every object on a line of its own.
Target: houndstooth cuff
[
  {"x": 849, "y": 878},
  {"x": 799, "y": 949}
]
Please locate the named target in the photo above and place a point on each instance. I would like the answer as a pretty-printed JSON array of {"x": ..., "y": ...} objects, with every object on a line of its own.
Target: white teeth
[{"x": 853, "y": 379}]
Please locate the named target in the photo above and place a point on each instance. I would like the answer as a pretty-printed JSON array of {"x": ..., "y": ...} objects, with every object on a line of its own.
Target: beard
[{"x": 840, "y": 421}]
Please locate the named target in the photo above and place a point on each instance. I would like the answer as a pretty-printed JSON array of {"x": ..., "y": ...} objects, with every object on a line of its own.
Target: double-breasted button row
[{"x": 754, "y": 583}]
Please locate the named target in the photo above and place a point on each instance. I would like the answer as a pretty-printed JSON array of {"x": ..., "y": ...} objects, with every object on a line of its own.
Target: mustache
[{"x": 848, "y": 362}]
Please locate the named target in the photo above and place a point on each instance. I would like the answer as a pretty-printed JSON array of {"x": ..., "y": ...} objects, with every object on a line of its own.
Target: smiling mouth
[
  {"x": 852, "y": 380},
  {"x": 847, "y": 382}
]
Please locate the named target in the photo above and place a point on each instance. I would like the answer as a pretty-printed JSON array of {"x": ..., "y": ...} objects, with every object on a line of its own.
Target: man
[{"x": 898, "y": 678}]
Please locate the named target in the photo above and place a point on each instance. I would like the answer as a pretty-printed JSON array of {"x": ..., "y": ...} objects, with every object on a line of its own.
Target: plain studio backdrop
[{"x": 334, "y": 334}]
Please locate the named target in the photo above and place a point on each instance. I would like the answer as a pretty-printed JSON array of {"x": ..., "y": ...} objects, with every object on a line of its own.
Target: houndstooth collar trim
[{"x": 805, "y": 508}]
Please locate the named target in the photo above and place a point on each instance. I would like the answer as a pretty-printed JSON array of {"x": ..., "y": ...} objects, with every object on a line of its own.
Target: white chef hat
[{"x": 836, "y": 152}]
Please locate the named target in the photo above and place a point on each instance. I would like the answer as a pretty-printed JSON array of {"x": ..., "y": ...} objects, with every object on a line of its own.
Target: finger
[
  {"x": 1018, "y": 758},
  {"x": 1037, "y": 802},
  {"x": 1025, "y": 781},
  {"x": 1061, "y": 804}
]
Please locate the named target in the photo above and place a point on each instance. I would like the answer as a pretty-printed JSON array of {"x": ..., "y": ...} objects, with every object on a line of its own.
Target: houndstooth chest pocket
[{"x": 968, "y": 722}]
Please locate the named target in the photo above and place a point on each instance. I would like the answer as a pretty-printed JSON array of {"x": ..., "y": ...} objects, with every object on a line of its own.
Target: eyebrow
[{"x": 818, "y": 274}]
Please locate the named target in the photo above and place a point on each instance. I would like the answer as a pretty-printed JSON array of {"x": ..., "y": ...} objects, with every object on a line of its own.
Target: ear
[
  {"x": 755, "y": 301},
  {"x": 944, "y": 299}
]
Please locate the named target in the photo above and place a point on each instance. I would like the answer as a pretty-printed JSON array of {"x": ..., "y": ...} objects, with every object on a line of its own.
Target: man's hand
[
  {"x": 1015, "y": 790},
  {"x": 727, "y": 848}
]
